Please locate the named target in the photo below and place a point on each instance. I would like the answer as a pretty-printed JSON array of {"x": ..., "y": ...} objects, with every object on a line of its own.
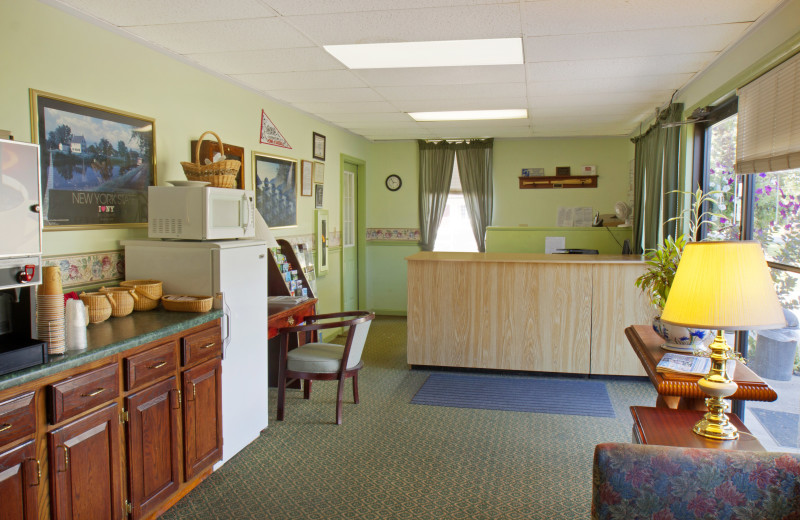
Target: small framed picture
[
  {"x": 322, "y": 240},
  {"x": 306, "y": 169},
  {"x": 318, "y": 196},
  {"x": 319, "y": 173},
  {"x": 533, "y": 172},
  {"x": 319, "y": 146}
]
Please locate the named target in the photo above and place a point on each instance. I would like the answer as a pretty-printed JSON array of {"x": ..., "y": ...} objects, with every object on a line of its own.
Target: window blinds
[{"x": 768, "y": 130}]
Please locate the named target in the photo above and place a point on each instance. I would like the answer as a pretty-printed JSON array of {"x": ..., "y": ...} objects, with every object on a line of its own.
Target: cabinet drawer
[
  {"x": 17, "y": 418},
  {"x": 82, "y": 392},
  {"x": 150, "y": 365},
  {"x": 202, "y": 345}
]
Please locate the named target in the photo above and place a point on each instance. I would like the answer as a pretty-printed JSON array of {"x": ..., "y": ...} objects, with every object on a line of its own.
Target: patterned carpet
[{"x": 394, "y": 460}]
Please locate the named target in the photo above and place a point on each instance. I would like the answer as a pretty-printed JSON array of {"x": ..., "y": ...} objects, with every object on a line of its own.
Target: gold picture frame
[
  {"x": 96, "y": 163},
  {"x": 274, "y": 183}
]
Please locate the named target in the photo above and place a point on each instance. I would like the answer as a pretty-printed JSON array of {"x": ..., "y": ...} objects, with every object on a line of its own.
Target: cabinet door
[
  {"x": 19, "y": 482},
  {"x": 202, "y": 416},
  {"x": 85, "y": 467},
  {"x": 153, "y": 448}
]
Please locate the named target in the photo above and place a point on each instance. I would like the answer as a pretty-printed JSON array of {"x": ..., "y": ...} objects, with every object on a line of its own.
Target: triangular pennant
[{"x": 270, "y": 133}]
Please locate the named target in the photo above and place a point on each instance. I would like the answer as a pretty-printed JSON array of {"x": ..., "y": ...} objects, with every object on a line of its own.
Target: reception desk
[{"x": 530, "y": 312}]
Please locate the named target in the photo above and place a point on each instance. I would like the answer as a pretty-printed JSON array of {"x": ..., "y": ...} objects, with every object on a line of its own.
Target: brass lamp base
[{"x": 718, "y": 385}]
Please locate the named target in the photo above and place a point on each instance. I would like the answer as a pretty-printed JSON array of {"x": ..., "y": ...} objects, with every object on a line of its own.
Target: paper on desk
[
  {"x": 551, "y": 244},
  {"x": 581, "y": 216}
]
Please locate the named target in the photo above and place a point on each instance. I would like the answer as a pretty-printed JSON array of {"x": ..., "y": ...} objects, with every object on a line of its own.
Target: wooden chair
[{"x": 323, "y": 361}]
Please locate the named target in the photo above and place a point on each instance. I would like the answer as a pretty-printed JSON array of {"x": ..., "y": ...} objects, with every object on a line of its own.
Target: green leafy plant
[{"x": 662, "y": 262}]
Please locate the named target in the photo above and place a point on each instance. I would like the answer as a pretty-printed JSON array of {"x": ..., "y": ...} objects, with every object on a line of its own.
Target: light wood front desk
[{"x": 531, "y": 312}]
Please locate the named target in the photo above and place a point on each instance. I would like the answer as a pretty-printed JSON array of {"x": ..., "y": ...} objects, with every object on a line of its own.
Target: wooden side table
[
  {"x": 666, "y": 427},
  {"x": 682, "y": 390}
]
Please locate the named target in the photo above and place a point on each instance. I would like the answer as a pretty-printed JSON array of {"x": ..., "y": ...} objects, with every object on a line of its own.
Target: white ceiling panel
[
  {"x": 434, "y": 92},
  {"x": 443, "y": 75},
  {"x": 365, "y": 118},
  {"x": 317, "y": 79},
  {"x": 407, "y": 25},
  {"x": 628, "y": 44},
  {"x": 365, "y": 107},
  {"x": 153, "y": 12},
  {"x": 385, "y": 125},
  {"x": 263, "y": 61},
  {"x": 595, "y": 67},
  {"x": 223, "y": 35},
  {"x": 432, "y": 105},
  {"x": 573, "y": 111},
  {"x": 306, "y": 7},
  {"x": 659, "y": 83},
  {"x": 549, "y": 17},
  {"x": 609, "y": 68},
  {"x": 594, "y": 100},
  {"x": 332, "y": 95}
]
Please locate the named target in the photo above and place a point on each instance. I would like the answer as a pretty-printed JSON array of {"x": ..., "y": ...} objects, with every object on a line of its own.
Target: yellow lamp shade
[{"x": 723, "y": 286}]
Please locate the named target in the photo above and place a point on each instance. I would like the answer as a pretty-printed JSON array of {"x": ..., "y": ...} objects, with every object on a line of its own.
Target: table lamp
[{"x": 722, "y": 286}]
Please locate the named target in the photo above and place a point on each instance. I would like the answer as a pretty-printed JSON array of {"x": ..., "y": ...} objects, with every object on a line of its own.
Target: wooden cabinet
[
  {"x": 153, "y": 445},
  {"x": 125, "y": 436},
  {"x": 20, "y": 477},
  {"x": 85, "y": 475},
  {"x": 202, "y": 416}
]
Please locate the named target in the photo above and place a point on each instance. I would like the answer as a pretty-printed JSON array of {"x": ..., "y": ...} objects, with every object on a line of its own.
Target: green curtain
[
  {"x": 656, "y": 172},
  {"x": 671, "y": 169},
  {"x": 435, "y": 172},
  {"x": 475, "y": 172},
  {"x": 638, "y": 197}
]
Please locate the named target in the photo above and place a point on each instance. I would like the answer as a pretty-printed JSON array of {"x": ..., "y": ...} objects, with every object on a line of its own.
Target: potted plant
[{"x": 662, "y": 263}]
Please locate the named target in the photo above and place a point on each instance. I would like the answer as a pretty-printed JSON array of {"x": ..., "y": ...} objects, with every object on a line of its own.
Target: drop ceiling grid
[{"x": 594, "y": 65}]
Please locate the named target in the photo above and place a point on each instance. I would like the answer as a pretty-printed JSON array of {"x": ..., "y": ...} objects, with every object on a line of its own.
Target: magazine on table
[{"x": 693, "y": 365}]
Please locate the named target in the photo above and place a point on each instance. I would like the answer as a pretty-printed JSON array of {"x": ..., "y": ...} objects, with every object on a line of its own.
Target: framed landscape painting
[
  {"x": 96, "y": 163},
  {"x": 275, "y": 185}
]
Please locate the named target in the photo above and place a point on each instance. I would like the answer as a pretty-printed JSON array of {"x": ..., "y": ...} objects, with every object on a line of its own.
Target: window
[{"x": 455, "y": 229}]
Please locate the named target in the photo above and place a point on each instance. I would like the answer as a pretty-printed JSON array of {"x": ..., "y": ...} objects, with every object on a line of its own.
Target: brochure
[{"x": 693, "y": 365}]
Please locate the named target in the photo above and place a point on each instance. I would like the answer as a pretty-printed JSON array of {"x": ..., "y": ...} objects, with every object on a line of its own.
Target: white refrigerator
[{"x": 238, "y": 270}]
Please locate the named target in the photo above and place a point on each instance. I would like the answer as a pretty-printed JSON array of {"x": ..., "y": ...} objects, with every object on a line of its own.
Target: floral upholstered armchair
[{"x": 633, "y": 481}]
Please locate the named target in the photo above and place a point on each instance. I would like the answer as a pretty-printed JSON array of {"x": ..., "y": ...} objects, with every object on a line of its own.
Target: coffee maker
[{"x": 20, "y": 254}]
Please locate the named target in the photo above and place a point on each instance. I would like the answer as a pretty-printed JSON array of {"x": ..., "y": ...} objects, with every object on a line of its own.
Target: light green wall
[
  {"x": 49, "y": 50},
  {"x": 513, "y": 206},
  {"x": 386, "y": 291},
  {"x": 393, "y": 208}
]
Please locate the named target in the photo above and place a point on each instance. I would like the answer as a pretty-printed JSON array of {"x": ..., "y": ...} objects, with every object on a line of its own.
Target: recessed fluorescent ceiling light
[
  {"x": 468, "y": 115},
  {"x": 452, "y": 53}
]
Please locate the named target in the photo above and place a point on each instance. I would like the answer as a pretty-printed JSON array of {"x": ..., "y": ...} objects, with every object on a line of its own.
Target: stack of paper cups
[
  {"x": 76, "y": 319},
  {"x": 50, "y": 311}
]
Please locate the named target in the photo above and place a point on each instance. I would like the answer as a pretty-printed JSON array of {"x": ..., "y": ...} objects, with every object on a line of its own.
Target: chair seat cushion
[{"x": 315, "y": 357}]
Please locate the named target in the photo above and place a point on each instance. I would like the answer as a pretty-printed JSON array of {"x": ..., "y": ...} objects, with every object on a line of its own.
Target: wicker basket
[
  {"x": 182, "y": 303},
  {"x": 98, "y": 306},
  {"x": 220, "y": 174},
  {"x": 124, "y": 300},
  {"x": 148, "y": 291}
]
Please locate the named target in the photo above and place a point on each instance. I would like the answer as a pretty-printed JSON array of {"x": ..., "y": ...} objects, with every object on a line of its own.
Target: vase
[{"x": 682, "y": 339}]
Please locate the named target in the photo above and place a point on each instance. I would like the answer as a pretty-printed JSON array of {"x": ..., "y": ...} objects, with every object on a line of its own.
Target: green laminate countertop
[{"x": 111, "y": 337}]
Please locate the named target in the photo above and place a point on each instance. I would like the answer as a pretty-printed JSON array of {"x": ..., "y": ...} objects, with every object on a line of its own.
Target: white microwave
[{"x": 200, "y": 213}]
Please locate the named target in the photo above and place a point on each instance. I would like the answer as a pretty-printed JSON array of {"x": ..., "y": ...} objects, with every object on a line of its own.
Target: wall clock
[{"x": 393, "y": 182}]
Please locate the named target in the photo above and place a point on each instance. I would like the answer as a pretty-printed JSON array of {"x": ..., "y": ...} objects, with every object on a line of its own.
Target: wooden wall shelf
[{"x": 566, "y": 181}]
